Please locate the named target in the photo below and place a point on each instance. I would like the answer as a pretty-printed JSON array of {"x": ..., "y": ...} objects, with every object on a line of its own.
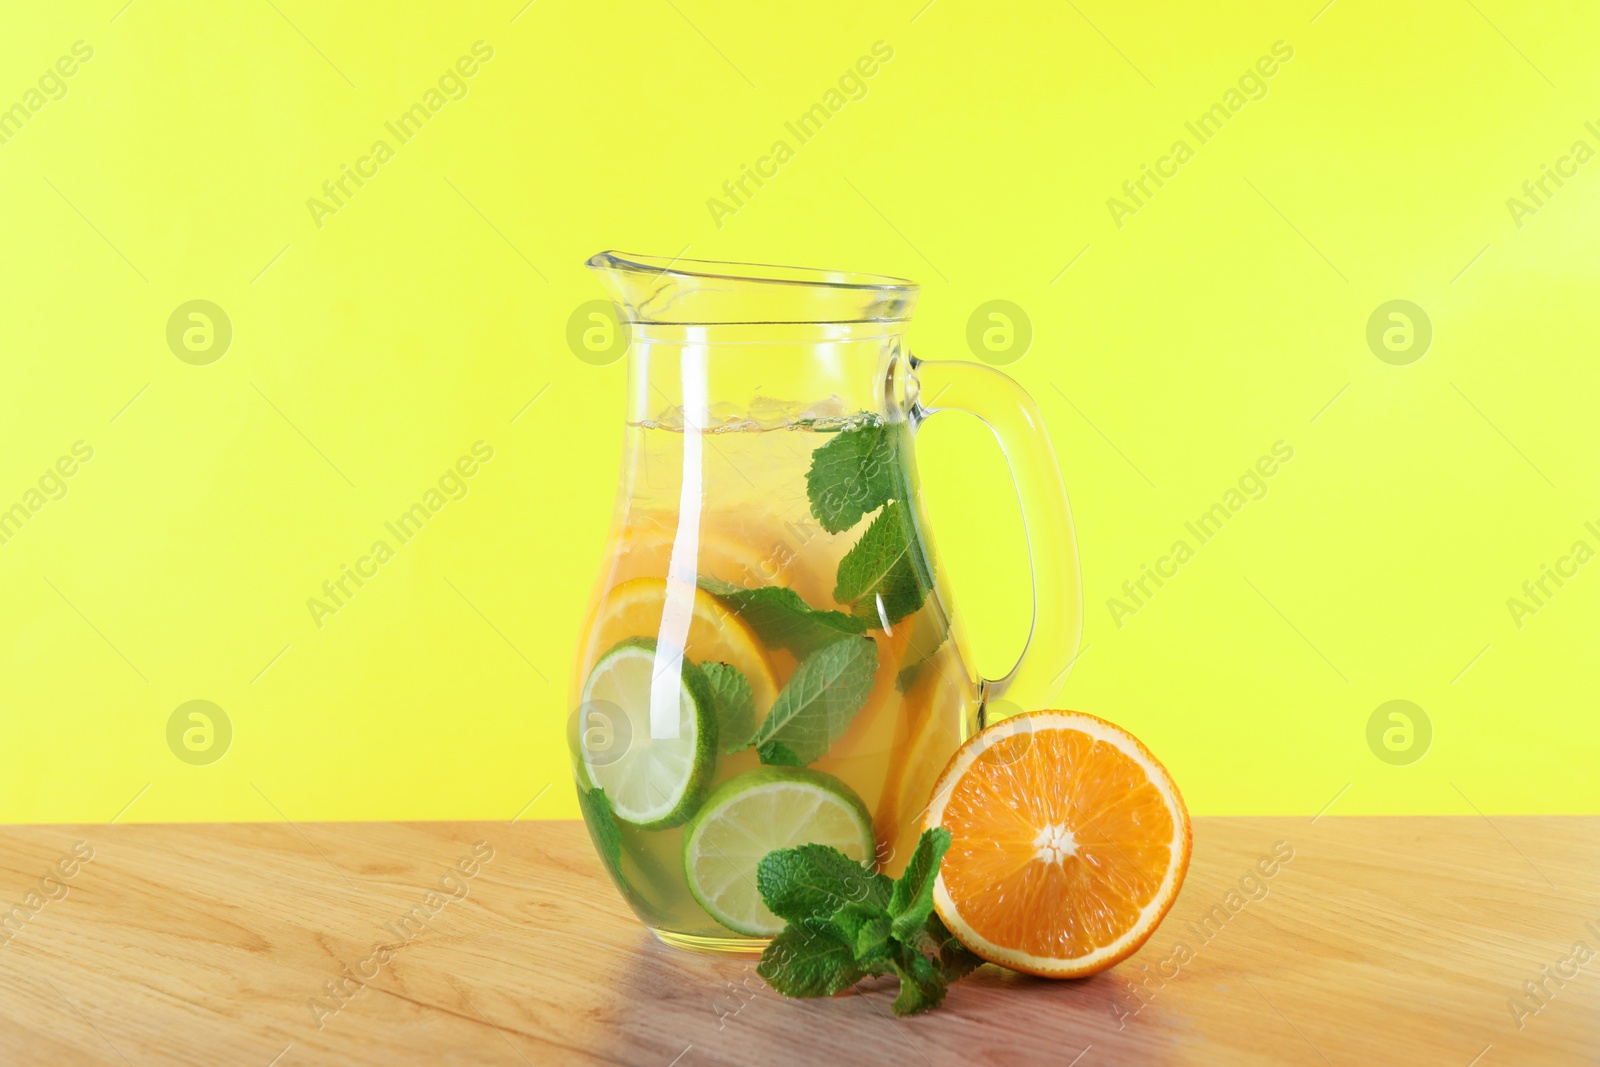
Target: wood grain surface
[{"x": 1382, "y": 940}]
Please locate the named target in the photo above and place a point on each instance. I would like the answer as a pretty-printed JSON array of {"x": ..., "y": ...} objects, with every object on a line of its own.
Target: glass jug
[{"x": 771, "y": 656}]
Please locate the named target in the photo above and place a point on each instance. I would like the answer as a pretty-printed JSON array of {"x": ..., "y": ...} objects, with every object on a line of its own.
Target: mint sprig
[
  {"x": 846, "y": 922},
  {"x": 885, "y": 576}
]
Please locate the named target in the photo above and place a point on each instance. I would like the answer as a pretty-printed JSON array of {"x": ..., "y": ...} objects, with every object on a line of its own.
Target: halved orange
[
  {"x": 716, "y": 634},
  {"x": 1069, "y": 842}
]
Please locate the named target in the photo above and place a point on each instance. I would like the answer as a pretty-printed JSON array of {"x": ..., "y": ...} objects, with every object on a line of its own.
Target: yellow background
[{"x": 431, "y": 309}]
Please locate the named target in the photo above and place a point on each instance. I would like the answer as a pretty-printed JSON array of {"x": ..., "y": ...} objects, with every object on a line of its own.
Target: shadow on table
[{"x": 670, "y": 1003}]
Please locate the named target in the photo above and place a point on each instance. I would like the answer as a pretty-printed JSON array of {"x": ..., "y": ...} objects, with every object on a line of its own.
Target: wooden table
[{"x": 1383, "y": 940}]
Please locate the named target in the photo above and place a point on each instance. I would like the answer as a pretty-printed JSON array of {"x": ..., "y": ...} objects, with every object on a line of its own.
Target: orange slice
[
  {"x": 716, "y": 635},
  {"x": 644, "y": 549},
  {"x": 936, "y": 707},
  {"x": 1068, "y": 843}
]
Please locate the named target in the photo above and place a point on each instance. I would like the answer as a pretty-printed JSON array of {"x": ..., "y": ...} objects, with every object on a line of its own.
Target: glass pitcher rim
[
  {"x": 758, "y": 273},
  {"x": 651, "y": 291}
]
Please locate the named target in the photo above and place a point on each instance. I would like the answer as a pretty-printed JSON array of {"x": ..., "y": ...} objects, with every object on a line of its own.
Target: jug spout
[
  {"x": 716, "y": 346},
  {"x": 655, "y": 290}
]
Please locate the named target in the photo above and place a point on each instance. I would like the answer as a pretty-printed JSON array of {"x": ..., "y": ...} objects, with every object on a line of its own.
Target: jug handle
[{"x": 1014, "y": 419}]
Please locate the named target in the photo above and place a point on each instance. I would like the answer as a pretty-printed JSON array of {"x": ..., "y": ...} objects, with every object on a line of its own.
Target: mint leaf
[
  {"x": 912, "y": 901},
  {"x": 815, "y": 881},
  {"x": 908, "y": 676},
  {"x": 607, "y": 837},
  {"x": 808, "y": 960},
  {"x": 954, "y": 960},
  {"x": 736, "y": 707},
  {"x": 865, "y": 927},
  {"x": 603, "y": 829},
  {"x": 782, "y": 619},
  {"x": 777, "y": 754},
  {"x": 922, "y": 987},
  {"x": 884, "y": 575},
  {"x": 851, "y": 475},
  {"x": 815, "y": 708}
]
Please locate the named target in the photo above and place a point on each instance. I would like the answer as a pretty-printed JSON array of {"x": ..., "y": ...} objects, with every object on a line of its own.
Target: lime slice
[
  {"x": 652, "y": 782},
  {"x": 752, "y": 814}
]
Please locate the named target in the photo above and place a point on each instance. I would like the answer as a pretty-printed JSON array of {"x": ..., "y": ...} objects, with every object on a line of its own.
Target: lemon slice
[
  {"x": 749, "y": 816},
  {"x": 651, "y": 782}
]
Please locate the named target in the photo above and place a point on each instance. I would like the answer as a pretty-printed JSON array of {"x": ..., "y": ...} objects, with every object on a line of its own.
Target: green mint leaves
[
  {"x": 952, "y": 958},
  {"x": 736, "y": 705},
  {"x": 817, "y": 704},
  {"x": 922, "y": 987},
  {"x": 813, "y": 963},
  {"x": 603, "y": 828},
  {"x": 607, "y": 838},
  {"x": 885, "y": 576},
  {"x": 822, "y": 696},
  {"x": 847, "y": 922},
  {"x": 912, "y": 900},
  {"x": 781, "y": 619},
  {"x": 815, "y": 881},
  {"x": 836, "y": 911},
  {"x": 851, "y": 475},
  {"x": 865, "y": 929}
]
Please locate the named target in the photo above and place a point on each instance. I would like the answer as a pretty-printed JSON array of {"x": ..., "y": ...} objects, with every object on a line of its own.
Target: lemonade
[{"x": 768, "y": 662}]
